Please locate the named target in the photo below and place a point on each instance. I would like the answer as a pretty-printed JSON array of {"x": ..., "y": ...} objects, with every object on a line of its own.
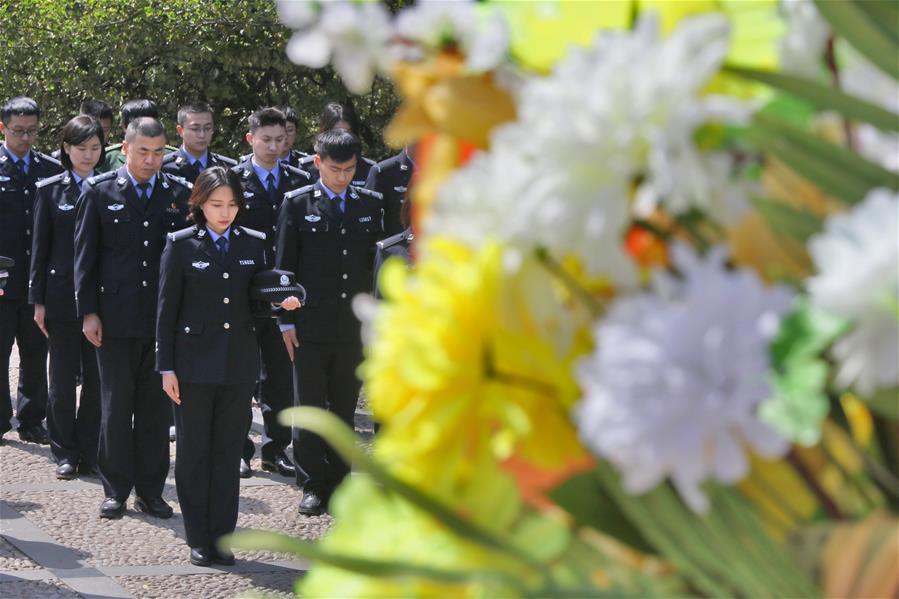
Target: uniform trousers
[
  {"x": 74, "y": 430},
  {"x": 275, "y": 392},
  {"x": 325, "y": 378},
  {"x": 134, "y": 419},
  {"x": 17, "y": 325},
  {"x": 210, "y": 424}
]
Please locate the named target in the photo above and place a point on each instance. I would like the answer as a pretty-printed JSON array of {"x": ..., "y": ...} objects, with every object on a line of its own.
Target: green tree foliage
[{"x": 229, "y": 53}]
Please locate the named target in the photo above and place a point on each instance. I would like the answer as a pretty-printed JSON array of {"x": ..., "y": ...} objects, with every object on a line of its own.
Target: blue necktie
[
  {"x": 21, "y": 164},
  {"x": 142, "y": 192},
  {"x": 270, "y": 187},
  {"x": 222, "y": 243}
]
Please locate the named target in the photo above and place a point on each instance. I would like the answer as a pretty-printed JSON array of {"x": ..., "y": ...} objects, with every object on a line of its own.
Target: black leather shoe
[
  {"x": 155, "y": 506},
  {"x": 112, "y": 508},
  {"x": 223, "y": 557},
  {"x": 86, "y": 469},
  {"x": 280, "y": 464},
  {"x": 65, "y": 470},
  {"x": 245, "y": 470},
  {"x": 34, "y": 434},
  {"x": 200, "y": 556},
  {"x": 312, "y": 504}
]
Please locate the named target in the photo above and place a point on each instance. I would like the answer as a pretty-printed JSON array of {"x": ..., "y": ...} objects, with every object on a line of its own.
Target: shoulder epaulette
[
  {"x": 170, "y": 157},
  {"x": 296, "y": 171},
  {"x": 369, "y": 161},
  {"x": 391, "y": 241},
  {"x": 171, "y": 148},
  {"x": 225, "y": 159},
  {"x": 183, "y": 233},
  {"x": 101, "y": 177},
  {"x": 51, "y": 180},
  {"x": 253, "y": 232},
  {"x": 368, "y": 192},
  {"x": 306, "y": 160},
  {"x": 48, "y": 158},
  {"x": 114, "y": 147},
  {"x": 56, "y": 153},
  {"x": 180, "y": 180},
  {"x": 244, "y": 158},
  {"x": 299, "y": 191}
]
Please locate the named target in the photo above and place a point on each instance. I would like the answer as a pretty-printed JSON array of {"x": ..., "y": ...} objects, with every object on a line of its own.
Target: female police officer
[
  {"x": 207, "y": 355},
  {"x": 73, "y": 435}
]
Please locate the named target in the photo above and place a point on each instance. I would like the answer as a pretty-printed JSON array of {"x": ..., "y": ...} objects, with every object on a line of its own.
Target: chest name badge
[
  {"x": 247, "y": 262},
  {"x": 200, "y": 265},
  {"x": 400, "y": 189},
  {"x": 313, "y": 218},
  {"x": 115, "y": 207},
  {"x": 365, "y": 219},
  {"x": 66, "y": 207},
  {"x": 248, "y": 194}
]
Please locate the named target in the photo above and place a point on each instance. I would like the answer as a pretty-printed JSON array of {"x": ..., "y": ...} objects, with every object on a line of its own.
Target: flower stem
[
  {"x": 555, "y": 269},
  {"x": 829, "y": 505},
  {"x": 830, "y": 57}
]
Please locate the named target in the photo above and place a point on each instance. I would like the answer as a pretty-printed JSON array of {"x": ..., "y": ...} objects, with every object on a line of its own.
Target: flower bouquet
[{"x": 650, "y": 342}]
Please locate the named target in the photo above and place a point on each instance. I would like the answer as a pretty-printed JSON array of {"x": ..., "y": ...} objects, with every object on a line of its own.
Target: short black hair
[
  {"x": 196, "y": 108},
  {"x": 97, "y": 109},
  {"x": 335, "y": 112},
  {"x": 77, "y": 131},
  {"x": 290, "y": 115},
  {"x": 338, "y": 144},
  {"x": 209, "y": 180},
  {"x": 266, "y": 117},
  {"x": 144, "y": 125},
  {"x": 138, "y": 108},
  {"x": 19, "y": 106}
]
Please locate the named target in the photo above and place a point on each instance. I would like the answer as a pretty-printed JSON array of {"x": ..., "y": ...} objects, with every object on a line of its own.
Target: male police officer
[
  {"x": 20, "y": 168},
  {"x": 391, "y": 179},
  {"x": 195, "y": 127},
  {"x": 115, "y": 155},
  {"x": 121, "y": 223},
  {"x": 290, "y": 155},
  {"x": 265, "y": 180},
  {"x": 326, "y": 235}
]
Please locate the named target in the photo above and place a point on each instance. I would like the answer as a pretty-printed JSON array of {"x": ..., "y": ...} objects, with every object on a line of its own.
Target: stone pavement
[{"x": 53, "y": 543}]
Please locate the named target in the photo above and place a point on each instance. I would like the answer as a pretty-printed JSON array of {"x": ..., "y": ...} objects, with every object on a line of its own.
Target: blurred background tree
[{"x": 228, "y": 53}]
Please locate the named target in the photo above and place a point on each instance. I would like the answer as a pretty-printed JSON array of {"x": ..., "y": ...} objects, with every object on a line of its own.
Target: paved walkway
[{"x": 53, "y": 544}]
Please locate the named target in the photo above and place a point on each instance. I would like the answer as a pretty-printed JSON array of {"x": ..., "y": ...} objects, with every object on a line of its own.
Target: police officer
[
  {"x": 196, "y": 128},
  {"x": 206, "y": 353},
  {"x": 101, "y": 111},
  {"x": 265, "y": 180},
  {"x": 73, "y": 430},
  {"x": 115, "y": 155},
  {"x": 340, "y": 116},
  {"x": 291, "y": 156},
  {"x": 121, "y": 222},
  {"x": 326, "y": 235},
  {"x": 20, "y": 168},
  {"x": 391, "y": 178}
]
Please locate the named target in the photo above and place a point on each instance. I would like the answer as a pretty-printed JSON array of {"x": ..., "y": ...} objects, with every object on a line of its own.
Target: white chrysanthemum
[
  {"x": 857, "y": 260},
  {"x": 802, "y": 47},
  {"x": 480, "y": 31},
  {"x": 560, "y": 176},
  {"x": 353, "y": 36},
  {"x": 675, "y": 383}
]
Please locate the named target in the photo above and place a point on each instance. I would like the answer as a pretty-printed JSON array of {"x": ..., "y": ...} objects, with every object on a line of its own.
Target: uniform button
[
  {"x": 344, "y": 275},
  {"x": 26, "y": 192},
  {"x": 344, "y": 252},
  {"x": 27, "y": 231},
  {"x": 343, "y": 295},
  {"x": 115, "y": 220},
  {"x": 187, "y": 329},
  {"x": 144, "y": 262},
  {"x": 343, "y": 231},
  {"x": 27, "y": 211},
  {"x": 102, "y": 289},
  {"x": 225, "y": 275},
  {"x": 226, "y": 325},
  {"x": 146, "y": 243},
  {"x": 225, "y": 300},
  {"x": 144, "y": 283},
  {"x": 274, "y": 227},
  {"x": 146, "y": 223},
  {"x": 313, "y": 229},
  {"x": 52, "y": 271},
  {"x": 27, "y": 252}
]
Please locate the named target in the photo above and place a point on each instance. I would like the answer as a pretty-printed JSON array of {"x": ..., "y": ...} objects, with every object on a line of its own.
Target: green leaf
[
  {"x": 884, "y": 14},
  {"x": 885, "y": 402},
  {"x": 804, "y": 333},
  {"x": 853, "y": 23},
  {"x": 343, "y": 440},
  {"x": 543, "y": 537},
  {"x": 823, "y": 97},
  {"x": 791, "y": 222},
  {"x": 589, "y": 504}
]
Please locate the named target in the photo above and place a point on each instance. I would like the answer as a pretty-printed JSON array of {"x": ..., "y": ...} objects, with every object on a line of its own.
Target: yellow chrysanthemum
[{"x": 472, "y": 365}]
